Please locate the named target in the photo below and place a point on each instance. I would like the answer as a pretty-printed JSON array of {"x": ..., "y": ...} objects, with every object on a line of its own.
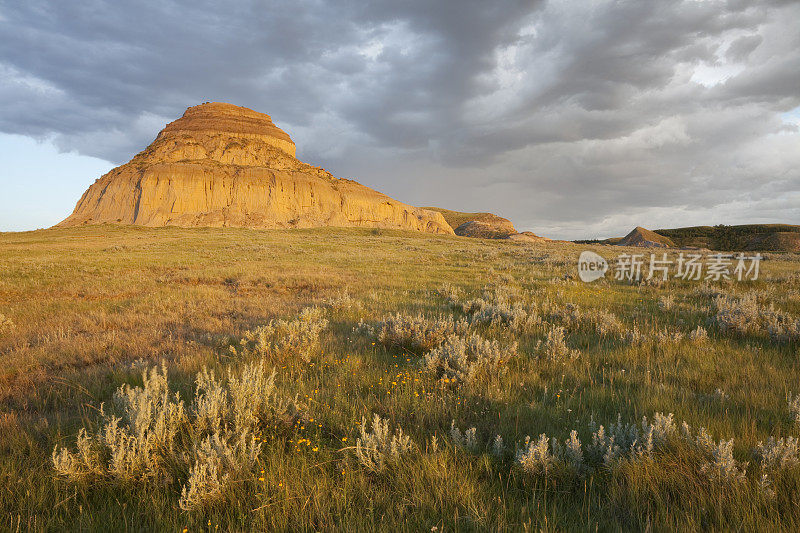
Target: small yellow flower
[
  {"x": 344, "y": 439},
  {"x": 315, "y": 449}
]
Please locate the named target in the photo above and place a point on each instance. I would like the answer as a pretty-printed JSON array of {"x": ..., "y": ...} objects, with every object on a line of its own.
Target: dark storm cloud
[{"x": 560, "y": 115}]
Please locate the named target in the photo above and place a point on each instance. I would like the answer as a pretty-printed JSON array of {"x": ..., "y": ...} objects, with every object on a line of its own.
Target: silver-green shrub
[
  {"x": 499, "y": 308},
  {"x": 380, "y": 447},
  {"x": 748, "y": 315},
  {"x": 419, "y": 333},
  {"x": 467, "y": 439},
  {"x": 463, "y": 358},
  {"x": 555, "y": 348},
  {"x": 281, "y": 339},
  {"x": 152, "y": 434}
]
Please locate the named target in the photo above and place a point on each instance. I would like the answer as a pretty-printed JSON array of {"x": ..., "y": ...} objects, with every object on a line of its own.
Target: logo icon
[{"x": 591, "y": 266}]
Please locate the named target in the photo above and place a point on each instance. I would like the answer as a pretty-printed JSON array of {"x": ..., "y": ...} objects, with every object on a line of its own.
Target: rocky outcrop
[
  {"x": 480, "y": 225},
  {"x": 644, "y": 238},
  {"x": 486, "y": 226},
  {"x": 528, "y": 236},
  {"x": 224, "y": 165},
  {"x": 484, "y": 230}
]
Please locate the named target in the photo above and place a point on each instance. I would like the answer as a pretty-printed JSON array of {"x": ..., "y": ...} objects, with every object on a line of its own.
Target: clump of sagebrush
[
  {"x": 466, "y": 439},
  {"x": 218, "y": 460},
  {"x": 555, "y": 348},
  {"x": 633, "y": 442},
  {"x": 572, "y": 316},
  {"x": 794, "y": 407},
  {"x": 706, "y": 290},
  {"x": 462, "y": 359},
  {"x": 140, "y": 443},
  {"x": 619, "y": 439},
  {"x": 6, "y": 325},
  {"x": 500, "y": 307},
  {"x": 417, "y": 333},
  {"x": 777, "y": 456},
  {"x": 154, "y": 435},
  {"x": 343, "y": 302},
  {"x": 723, "y": 467},
  {"x": 667, "y": 336},
  {"x": 634, "y": 335},
  {"x": 545, "y": 455},
  {"x": 498, "y": 447},
  {"x": 747, "y": 315},
  {"x": 720, "y": 464},
  {"x": 608, "y": 444},
  {"x": 380, "y": 447},
  {"x": 666, "y": 302},
  {"x": 699, "y": 335},
  {"x": 281, "y": 339}
]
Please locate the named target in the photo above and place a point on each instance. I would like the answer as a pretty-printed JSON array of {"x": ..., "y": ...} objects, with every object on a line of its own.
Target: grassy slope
[
  {"x": 87, "y": 302},
  {"x": 723, "y": 237}
]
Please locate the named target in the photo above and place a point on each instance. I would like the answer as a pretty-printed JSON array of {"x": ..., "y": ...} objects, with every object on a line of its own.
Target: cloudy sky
[{"x": 574, "y": 119}]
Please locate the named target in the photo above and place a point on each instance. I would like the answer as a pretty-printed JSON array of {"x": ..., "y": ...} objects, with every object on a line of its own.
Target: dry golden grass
[{"x": 86, "y": 310}]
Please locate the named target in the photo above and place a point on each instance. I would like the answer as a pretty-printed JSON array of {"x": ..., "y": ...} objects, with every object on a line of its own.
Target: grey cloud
[
  {"x": 741, "y": 48},
  {"x": 555, "y": 114}
]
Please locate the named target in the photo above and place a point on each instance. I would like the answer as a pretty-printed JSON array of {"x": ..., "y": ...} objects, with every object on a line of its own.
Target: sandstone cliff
[{"x": 224, "y": 165}]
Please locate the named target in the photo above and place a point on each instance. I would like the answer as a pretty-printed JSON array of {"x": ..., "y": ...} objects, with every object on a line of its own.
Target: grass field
[{"x": 467, "y": 346}]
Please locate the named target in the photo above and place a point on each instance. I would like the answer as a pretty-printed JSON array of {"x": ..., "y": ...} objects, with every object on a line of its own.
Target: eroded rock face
[{"x": 224, "y": 165}]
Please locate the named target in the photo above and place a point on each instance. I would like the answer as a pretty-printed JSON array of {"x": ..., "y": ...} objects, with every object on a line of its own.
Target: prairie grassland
[{"x": 163, "y": 379}]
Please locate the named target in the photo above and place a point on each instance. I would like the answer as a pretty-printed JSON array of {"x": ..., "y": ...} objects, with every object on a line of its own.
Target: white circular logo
[{"x": 591, "y": 266}]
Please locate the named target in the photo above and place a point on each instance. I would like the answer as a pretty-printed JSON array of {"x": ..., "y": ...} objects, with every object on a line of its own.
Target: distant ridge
[
  {"x": 747, "y": 237},
  {"x": 741, "y": 238}
]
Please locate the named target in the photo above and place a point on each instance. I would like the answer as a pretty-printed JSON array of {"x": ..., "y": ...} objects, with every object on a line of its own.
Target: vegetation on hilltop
[
  {"x": 756, "y": 237},
  {"x": 749, "y": 237}
]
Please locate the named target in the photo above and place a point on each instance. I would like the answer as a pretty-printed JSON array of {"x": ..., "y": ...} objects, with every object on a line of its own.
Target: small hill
[
  {"x": 222, "y": 165},
  {"x": 485, "y": 226},
  {"x": 644, "y": 238},
  {"x": 480, "y": 225},
  {"x": 755, "y": 237},
  {"x": 528, "y": 236}
]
